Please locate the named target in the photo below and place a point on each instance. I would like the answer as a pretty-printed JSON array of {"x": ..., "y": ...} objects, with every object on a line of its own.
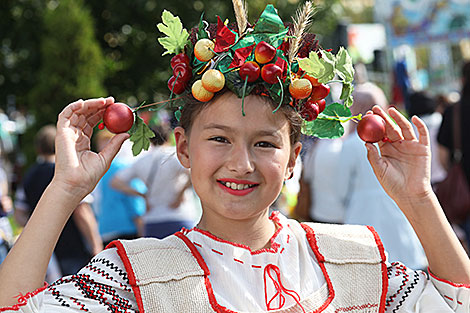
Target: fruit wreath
[{"x": 268, "y": 58}]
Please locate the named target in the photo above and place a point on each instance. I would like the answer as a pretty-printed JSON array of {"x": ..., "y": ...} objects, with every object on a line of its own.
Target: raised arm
[
  {"x": 403, "y": 170},
  {"x": 77, "y": 172}
]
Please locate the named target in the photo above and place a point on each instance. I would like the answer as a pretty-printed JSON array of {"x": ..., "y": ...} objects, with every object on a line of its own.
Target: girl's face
[{"x": 238, "y": 163}]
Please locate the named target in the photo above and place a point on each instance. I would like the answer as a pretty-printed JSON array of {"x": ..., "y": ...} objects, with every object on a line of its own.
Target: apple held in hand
[
  {"x": 371, "y": 128},
  {"x": 118, "y": 118}
]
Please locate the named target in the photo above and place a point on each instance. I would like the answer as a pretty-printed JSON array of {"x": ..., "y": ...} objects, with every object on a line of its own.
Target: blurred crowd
[{"x": 151, "y": 195}]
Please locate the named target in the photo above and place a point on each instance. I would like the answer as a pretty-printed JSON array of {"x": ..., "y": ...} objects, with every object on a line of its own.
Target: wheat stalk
[
  {"x": 301, "y": 22},
  {"x": 241, "y": 15}
]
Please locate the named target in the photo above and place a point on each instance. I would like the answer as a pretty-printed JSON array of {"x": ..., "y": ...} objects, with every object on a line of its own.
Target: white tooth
[
  {"x": 233, "y": 186},
  {"x": 227, "y": 184},
  {"x": 240, "y": 186}
]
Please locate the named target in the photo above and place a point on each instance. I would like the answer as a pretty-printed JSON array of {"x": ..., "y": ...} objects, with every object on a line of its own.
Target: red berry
[
  {"x": 312, "y": 79},
  {"x": 118, "y": 118},
  {"x": 321, "y": 104},
  {"x": 371, "y": 128},
  {"x": 100, "y": 126},
  {"x": 309, "y": 111},
  {"x": 179, "y": 85},
  {"x": 270, "y": 73},
  {"x": 184, "y": 70},
  {"x": 251, "y": 70},
  {"x": 179, "y": 58},
  {"x": 264, "y": 52},
  {"x": 320, "y": 92}
]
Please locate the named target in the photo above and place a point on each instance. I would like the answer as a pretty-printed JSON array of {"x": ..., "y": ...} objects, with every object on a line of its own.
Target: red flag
[{"x": 224, "y": 37}]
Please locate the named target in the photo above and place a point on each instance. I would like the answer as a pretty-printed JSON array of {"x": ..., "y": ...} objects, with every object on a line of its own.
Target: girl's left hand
[{"x": 403, "y": 166}]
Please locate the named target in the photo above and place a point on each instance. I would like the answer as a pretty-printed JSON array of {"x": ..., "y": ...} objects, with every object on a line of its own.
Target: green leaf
[
  {"x": 323, "y": 128},
  {"x": 140, "y": 136},
  {"x": 328, "y": 59},
  {"x": 201, "y": 31},
  {"x": 322, "y": 68},
  {"x": 344, "y": 67},
  {"x": 335, "y": 110},
  {"x": 176, "y": 36},
  {"x": 235, "y": 83}
]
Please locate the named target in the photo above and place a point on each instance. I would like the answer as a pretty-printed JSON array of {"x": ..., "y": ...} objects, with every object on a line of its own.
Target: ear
[
  {"x": 182, "y": 146},
  {"x": 295, "y": 151}
]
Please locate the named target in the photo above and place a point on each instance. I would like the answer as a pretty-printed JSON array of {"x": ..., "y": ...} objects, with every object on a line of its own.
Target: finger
[
  {"x": 422, "y": 130},
  {"x": 68, "y": 111},
  {"x": 392, "y": 131},
  {"x": 377, "y": 163},
  {"x": 112, "y": 147},
  {"x": 406, "y": 128},
  {"x": 91, "y": 106}
]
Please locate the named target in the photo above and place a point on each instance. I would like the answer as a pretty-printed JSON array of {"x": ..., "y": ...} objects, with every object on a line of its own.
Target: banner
[{"x": 414, "y": 22}]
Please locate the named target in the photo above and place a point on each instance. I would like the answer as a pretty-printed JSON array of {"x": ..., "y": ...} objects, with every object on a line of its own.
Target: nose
[{"x": 241, "y": 160}]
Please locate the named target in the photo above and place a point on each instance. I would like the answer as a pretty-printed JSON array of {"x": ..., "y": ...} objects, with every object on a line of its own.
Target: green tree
[{"x": 72, "y": 64}]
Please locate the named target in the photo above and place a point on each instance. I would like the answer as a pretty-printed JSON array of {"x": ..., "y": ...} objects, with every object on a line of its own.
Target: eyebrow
[{"x": 271, "y": 133}]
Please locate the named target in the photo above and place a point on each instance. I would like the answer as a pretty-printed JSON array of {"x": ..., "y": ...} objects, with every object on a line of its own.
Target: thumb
[
  {"x": 112, "y": 147},
  {"x": 377, "y": 163}
]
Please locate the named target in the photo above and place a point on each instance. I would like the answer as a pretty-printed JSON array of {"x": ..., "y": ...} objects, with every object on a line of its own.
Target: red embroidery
[
  {"x": 196, "y": 244},
  {"x": 449, "y": 298},
  {"x": 23, "y": 299},
  {"x": 381, "y": 248},
  {"x": 256, "y": 266},
  {"x": 239, "y": 261},
  {"x": 218, "y": 252},
  {"x": 274, "y": 245},
  {"x": 446, "y": 281},
  {"x": 356, "y": 307},
  {"x": 280, "y": 289},
  {"x": 281, "y": 250},
  {"x": 130, "y": 272}
]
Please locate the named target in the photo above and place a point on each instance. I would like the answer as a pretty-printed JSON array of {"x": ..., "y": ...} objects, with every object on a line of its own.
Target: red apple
[
  {"x": 264, "y": 52},
  {"x": 118, "y": 118},
  {"x": 179, "y": 58},
  {"x": 251, "y": 70},
  {"x": 321, "y": 104},
  {"x": 319, "y": 92},
  {"x": 270, "y": 73},
  {"x": 371, "y": 128},
  {"x": 184, "y": 70},
  {"x": 309, "y": 111},
  {"x": 178, "y": 84}
]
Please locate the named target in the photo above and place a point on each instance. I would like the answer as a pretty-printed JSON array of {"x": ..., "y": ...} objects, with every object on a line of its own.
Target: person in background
[
  {"x": 317, "y": 200},
  {"x": 6, "y": 208},
  {"x": 424, "y": 106},
  {"x": 118, "y": 214},
  {"x": 365, "y": 201},
  {"x": 445, "y": 137},
  {"x": 170, "y": 204},
  {"x": 80, "y": 239}
]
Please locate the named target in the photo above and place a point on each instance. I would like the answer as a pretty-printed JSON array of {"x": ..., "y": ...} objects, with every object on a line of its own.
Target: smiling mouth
[{"x": 235, "y": 186}]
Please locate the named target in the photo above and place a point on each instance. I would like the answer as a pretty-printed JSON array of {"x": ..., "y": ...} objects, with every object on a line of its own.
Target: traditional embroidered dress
[{"x": 308, "y": 268}]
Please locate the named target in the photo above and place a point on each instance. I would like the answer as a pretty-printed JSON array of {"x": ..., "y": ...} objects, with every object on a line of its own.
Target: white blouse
[{"x": 261, "y": 280}]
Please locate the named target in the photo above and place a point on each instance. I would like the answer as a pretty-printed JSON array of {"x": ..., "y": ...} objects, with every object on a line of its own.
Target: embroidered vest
[{"x": 170, "y": 275}]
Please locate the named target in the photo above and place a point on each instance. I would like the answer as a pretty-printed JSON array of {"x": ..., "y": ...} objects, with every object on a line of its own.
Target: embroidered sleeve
[
  {"x": 414, "y": 291},
  {"x": 101, "y": 286}
]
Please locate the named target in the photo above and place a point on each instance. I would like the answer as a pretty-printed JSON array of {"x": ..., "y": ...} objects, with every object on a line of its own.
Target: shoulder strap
[{"x": 341, "y": 244}]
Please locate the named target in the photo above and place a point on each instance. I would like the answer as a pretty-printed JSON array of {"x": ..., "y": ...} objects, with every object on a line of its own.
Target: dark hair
[
  {"x": 45, "y": 140},
  {"x": 193, "y": 107},
  {"x": 161, "y": 135},
  {"x": 421, "y": 103}
]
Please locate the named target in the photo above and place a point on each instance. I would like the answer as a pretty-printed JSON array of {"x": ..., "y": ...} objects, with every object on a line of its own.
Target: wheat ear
[
  {"x": 241, "y": 15},
  {"x": 301, "y": 22}
]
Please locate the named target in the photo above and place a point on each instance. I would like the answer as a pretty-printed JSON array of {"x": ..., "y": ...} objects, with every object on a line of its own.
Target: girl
[{"x": 239, "y": 258}]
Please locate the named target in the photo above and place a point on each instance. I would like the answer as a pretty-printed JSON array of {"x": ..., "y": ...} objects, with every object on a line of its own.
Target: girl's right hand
[{"x": 78, "y": 169}]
